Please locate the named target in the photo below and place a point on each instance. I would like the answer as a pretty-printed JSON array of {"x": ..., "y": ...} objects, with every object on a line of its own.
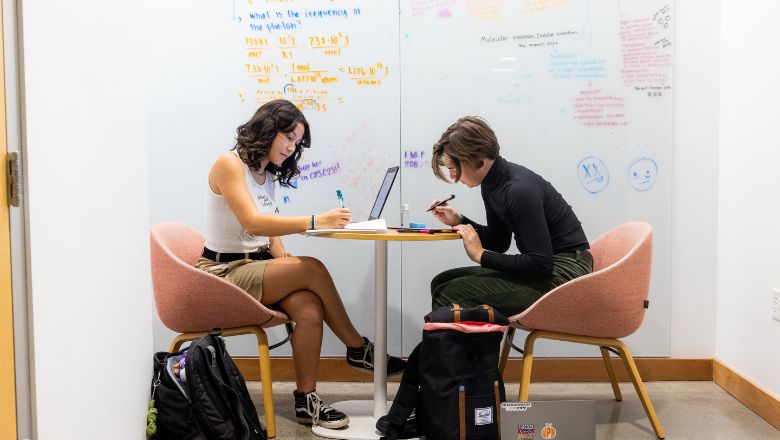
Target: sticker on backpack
[{"x": 483, "y": 416}]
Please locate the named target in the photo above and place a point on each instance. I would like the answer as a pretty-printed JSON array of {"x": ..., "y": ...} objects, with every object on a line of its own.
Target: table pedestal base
[{"x": 362, "y": 424}]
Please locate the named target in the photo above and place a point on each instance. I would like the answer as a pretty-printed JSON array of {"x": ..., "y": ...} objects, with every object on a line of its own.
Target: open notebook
[
  {"x": 374, "y": 223},
  {"x": 377, "y": 225}
]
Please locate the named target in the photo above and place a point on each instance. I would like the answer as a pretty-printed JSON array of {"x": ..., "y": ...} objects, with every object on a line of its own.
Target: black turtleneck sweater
[{"x": 520, "y": 202}]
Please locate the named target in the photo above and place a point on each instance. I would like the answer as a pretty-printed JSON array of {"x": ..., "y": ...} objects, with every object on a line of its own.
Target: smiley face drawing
[
  {"x": 593, "y": 174},
  {"x": 642, "y": 173}
]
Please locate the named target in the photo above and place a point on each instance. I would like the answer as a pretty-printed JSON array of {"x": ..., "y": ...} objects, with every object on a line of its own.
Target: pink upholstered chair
[
  {"x": 191, "y": 302},
  {"x": 596, "y": 309}
]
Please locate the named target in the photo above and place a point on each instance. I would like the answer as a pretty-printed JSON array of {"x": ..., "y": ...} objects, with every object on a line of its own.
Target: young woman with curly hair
[{"x": 244, "y": 246}]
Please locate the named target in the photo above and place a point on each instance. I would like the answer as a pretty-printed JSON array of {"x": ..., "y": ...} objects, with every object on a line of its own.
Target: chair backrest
[
  {"x": 618, "y": 243},
  {"x": 191, "y": 300},
  {"x": 610, "y": 302}
]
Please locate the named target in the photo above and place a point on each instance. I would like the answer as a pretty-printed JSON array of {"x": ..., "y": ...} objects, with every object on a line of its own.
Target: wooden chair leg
[
  {"x": 179, "y": 340},
  {"x": 508, "y": 337},
  {"x": 265, "y": 378},
  {"x": 611, "y": 372},
  {"x": 528, "y": 357},
  {"x": 628, "y": 360}
]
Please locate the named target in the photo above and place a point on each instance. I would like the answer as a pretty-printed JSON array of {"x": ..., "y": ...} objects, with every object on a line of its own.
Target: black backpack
[
  {"x": 211, "y": 403},
  {"x": 451, "y": 388}
]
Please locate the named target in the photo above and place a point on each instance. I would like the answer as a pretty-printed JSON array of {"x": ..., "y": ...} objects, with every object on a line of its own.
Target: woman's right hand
[
  {"x": 446, "y": 214},
  {"x": 334, "y": 219}
]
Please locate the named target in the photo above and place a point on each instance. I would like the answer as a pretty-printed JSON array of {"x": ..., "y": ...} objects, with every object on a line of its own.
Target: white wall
[
  {"x": 695, "y": 177},
  {"x": 87, "y": 211},
  {"x": 749, "y": 200}
]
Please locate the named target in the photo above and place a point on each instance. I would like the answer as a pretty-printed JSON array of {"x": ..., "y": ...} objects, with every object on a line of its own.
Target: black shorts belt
[{"x": 226, "y": 257}]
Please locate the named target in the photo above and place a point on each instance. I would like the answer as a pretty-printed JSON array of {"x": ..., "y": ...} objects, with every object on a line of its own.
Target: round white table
[{"x": 362, "y": 424}]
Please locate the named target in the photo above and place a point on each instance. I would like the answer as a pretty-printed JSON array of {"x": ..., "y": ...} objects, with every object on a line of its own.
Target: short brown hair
[{"x": 467, "y": 141}]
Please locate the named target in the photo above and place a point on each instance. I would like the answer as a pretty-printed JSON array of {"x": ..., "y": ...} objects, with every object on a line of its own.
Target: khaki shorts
[{"x": 246, "y": 274}]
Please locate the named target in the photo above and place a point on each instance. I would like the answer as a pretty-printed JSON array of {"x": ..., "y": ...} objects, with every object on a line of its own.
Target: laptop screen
[{"x": 384, "y": 191}]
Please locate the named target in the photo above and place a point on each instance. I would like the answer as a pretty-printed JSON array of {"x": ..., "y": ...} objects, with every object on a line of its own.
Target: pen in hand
[
  {"x": 452, "y": 196},
  {"x": 341, "y": 198}
]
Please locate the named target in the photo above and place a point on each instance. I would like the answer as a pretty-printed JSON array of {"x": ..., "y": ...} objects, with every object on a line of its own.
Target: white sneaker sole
[{"x": 336, "y": 424}]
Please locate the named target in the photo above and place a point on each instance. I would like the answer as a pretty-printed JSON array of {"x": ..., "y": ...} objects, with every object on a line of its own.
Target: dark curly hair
[{"x": 254, "y": 138}]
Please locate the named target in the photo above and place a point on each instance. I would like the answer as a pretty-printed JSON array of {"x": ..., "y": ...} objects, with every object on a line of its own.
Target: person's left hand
[
  {"x": 471, "y": 242},
  {"x": 277, "y": 249},
  {"x": 282, "y": 254}
]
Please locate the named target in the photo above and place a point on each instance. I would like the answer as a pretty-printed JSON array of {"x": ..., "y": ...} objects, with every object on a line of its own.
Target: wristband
[
  {"x": 311, "y": 222},
  {"x": 314, "y": 221}
]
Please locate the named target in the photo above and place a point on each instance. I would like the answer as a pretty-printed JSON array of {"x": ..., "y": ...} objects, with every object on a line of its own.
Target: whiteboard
[
  {"x": 213, "y": 63},
  {"x": 577, "y": 90}
]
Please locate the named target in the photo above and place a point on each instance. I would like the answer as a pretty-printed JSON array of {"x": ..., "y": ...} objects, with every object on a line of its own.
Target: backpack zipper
[{"x": 213, "y": 356}]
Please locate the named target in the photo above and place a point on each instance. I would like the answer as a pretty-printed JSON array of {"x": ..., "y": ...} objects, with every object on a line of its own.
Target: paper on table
[{"x": 378, "y": 225}]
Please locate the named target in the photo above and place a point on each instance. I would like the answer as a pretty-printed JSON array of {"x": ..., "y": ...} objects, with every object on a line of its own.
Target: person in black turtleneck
[{"x": 552, "y": 245}]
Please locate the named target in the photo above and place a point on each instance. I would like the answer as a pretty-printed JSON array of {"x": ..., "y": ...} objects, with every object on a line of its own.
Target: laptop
[
  {"x": 384, "y": 191},
  {"x": 374, "y": 223},
  {"x": 559, "y": 420}
]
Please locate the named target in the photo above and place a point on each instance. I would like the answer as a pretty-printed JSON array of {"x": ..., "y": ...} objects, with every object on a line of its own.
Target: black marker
[{"x": 452, "y": 196}]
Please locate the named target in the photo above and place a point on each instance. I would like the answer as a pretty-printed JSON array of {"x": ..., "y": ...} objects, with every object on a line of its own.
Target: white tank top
[{"x": 223, "y": 231}]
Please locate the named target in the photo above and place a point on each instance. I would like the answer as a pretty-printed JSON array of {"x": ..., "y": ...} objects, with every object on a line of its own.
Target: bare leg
[
  {"x": 284, "y": 276},
  {"x": 305, "y": 309}
]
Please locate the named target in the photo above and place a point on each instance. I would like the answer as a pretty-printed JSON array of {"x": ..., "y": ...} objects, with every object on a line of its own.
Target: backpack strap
[
  {"x": 491, "y": 315},
  {"x": 238, "y": 403},
  {"x": 456, "y": 312},
  {"x": 498, "y": 403},
  {"x": 462, "y": 411}
]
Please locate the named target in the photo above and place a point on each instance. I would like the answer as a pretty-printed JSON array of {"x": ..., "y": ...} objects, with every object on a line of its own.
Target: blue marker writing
[{"x": 341, "y": 197}]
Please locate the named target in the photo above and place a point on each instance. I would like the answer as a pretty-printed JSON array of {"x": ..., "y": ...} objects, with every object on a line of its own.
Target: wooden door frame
[{"x": 7, "y": 359}]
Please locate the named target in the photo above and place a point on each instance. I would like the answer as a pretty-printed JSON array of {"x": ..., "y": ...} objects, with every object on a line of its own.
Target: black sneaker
[
  {"x": 309, "y": 406},
  {"x": 362, "y": 358},
  {"x": 388, "y": 427}
]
